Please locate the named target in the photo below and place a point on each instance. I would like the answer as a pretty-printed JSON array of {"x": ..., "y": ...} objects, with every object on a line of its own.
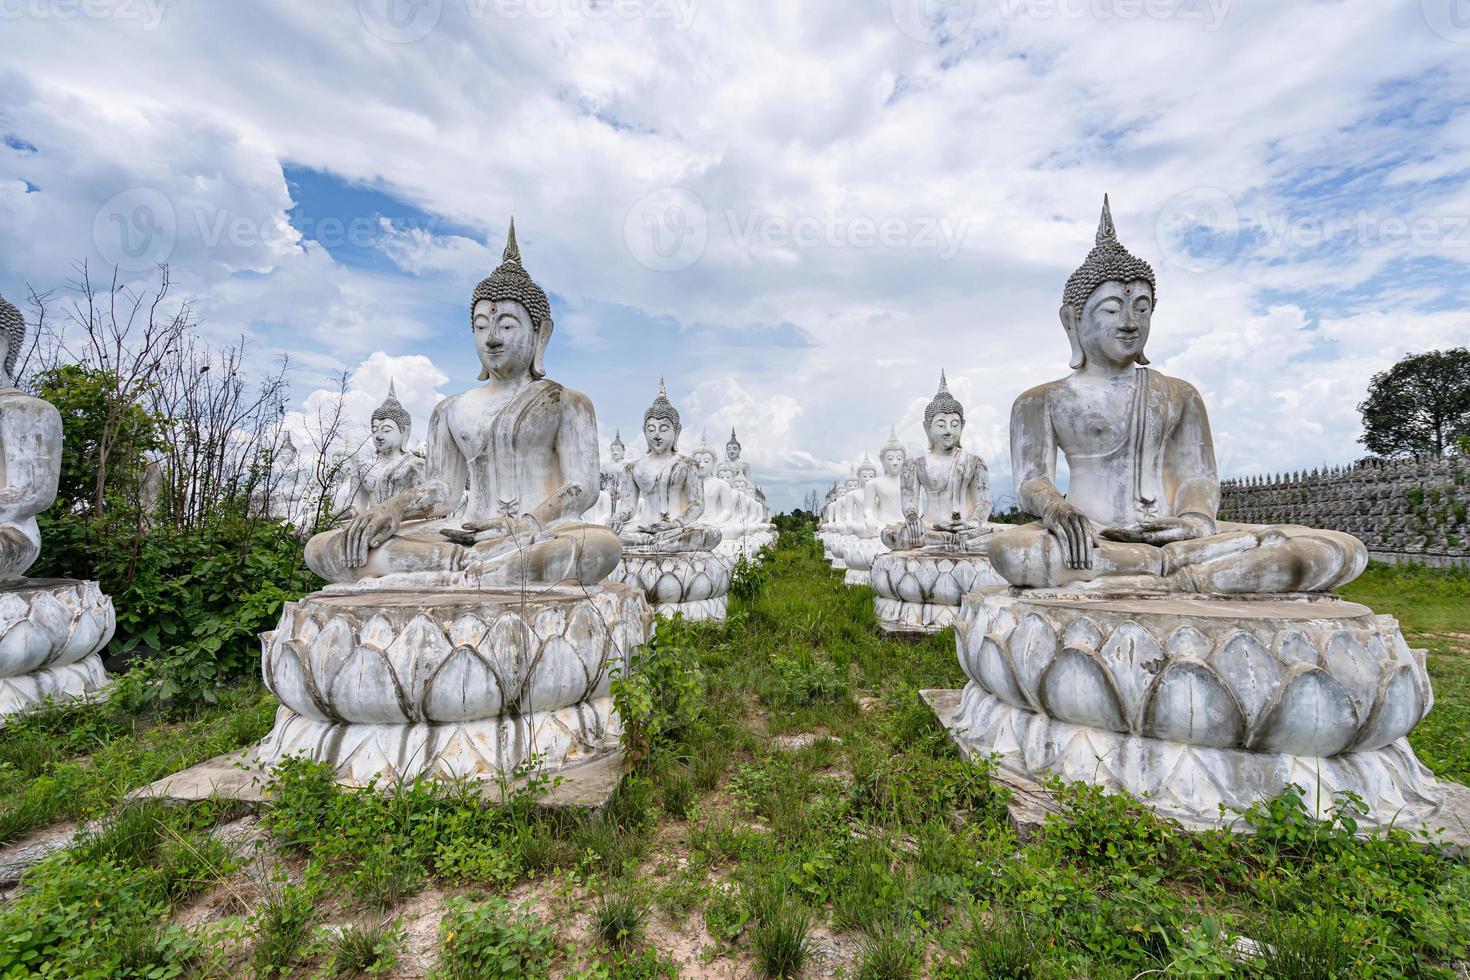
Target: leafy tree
[
  {"x": 88, "y": 401},
  {"x": 1420, "y": 406}
]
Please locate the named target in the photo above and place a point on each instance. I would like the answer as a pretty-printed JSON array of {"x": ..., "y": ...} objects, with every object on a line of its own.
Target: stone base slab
[
  {"x": 694, "y": 583},
  {"x": 919, "y": 591},
  {"x": 242, "y": 777}
]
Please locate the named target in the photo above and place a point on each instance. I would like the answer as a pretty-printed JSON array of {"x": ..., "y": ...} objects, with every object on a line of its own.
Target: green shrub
[{"x": 492, "y": 940}]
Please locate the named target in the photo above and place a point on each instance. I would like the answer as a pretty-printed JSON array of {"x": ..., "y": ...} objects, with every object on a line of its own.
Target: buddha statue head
[
  {"x": 866, "y": 471},
  {"x": 944, "y": 418},
  {"x": 704, "y": 457},
  {"x": 892, "y": 455},
  {"x": 742, "y": 484},
  {"x": 725, "y": 471},
  {"x": 851, "y": 483},
  {"x": 511, "y": 319},
  {"x": 661, "y": 424},
  {"x": 1108, "y": 302},
  {"x": 617, "y": 450},
  {"x": 732, "y": 448},
  {"x": 391, "y": 424},
  {"x": 13, "y": 337}
]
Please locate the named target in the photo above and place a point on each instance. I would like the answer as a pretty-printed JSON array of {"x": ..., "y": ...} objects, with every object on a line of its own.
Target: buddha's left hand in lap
[{"x": 1162, "y": 530}]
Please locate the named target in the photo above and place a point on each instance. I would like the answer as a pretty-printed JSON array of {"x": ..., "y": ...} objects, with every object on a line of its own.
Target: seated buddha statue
[
  {"x": 30, "y": 449},
  {"x": 393, "y": 470},
  {"x": 953, "y": 482},
  {"x": 720, "y": 506},
  {"x": 732, "y": 456},
  {"x": 1140, "y": 510},
  {"x": 662, "y": 494},
  {"x": 852, "y": 520},
  {"x": 511, "y": 467}
]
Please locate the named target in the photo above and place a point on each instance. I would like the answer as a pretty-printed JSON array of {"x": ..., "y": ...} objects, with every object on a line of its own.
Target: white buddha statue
[
  {"x": 662, "y": 494},
  {"x": 51, "y": 630},
  {"x": 393, "y": 469},
  {"x": 880, "y": 505},
  {"x": 511, "y": 467},
  {"x": 954, "y": 484},
  {"x": 732, "y": 456},
  {"x": 1140, "y": 508}
]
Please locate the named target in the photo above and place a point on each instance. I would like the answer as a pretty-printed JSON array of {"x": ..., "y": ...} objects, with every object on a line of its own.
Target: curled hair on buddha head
[
  {"x": 13, "y": 324},
  {"x": 510, "y": 281},
  {"x": 664, "y": 410},
  {"x": 1108, "y": 261},
  {"x": 393, "y": 410},
  {"x": 943, "y": 403}
]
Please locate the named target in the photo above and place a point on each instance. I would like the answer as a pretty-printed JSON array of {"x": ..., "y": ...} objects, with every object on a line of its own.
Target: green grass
[
  {"x": 1433, "y": 608},
  {"x": 878, "y": 832}
]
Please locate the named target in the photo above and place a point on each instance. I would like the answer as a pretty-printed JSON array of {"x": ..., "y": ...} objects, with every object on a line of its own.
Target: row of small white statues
[{"x": 475, "y": 615}]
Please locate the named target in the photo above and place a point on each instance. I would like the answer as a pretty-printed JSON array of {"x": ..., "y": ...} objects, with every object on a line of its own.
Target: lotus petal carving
[{"x": 1299, "y": 677}]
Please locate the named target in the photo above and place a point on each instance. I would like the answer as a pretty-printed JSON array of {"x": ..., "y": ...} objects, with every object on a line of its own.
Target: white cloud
[{"x": 797, "y": 127}]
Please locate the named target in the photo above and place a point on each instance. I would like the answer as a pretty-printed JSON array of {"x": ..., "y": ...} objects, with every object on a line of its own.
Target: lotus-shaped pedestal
[
  {"x": 1198, "y": 701},
  {"x": 51, "y": 634},
  {"x": 449, "y": 683},
  {"x": 695, "y": 584},
  {"x": 919, "y": 591}
]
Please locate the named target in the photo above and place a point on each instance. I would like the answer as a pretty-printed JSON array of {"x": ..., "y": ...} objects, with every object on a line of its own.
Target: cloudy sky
[{"x": 796, "y": 212}]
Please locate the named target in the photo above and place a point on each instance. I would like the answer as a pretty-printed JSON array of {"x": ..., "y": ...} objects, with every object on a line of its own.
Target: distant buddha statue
[
  {"x": 720, "y": 506},
  {"x": 392, "y": 471},
  {"x": 1140, "y": 508},
  {"x": 883, "y": 495},
  {"x": 511, "y": 467},
  {"x": 852, "y": 519},
  {"x": 953, "y": 483},
  {"x": 662, "y": 494},
  {"x": 732, "y": 456}
]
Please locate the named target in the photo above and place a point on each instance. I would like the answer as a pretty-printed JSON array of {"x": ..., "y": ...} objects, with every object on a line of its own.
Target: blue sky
[{"x": 797, "y": 213}]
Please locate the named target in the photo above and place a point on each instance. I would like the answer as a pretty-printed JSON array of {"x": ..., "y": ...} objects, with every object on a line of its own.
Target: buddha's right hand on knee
[
  {"x": 1074, "y": 531},
  {"x": 368, "y": 532}
]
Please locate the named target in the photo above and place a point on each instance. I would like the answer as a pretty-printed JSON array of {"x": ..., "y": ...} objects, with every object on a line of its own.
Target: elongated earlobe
[
  {"x": 538, "y": 359},
  {"x": 1069, "y": 324}
]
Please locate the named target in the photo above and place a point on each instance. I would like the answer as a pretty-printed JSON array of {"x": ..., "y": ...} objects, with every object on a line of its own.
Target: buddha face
[
  {"x": 617, "y": 450},
  {"x": 387, "y": 437},
  {"x": 505, "y": 339},
  {"x": 893, "y": 461},
  {"x": 705, "y": 460},
  {"x": 944, "y": 431},
  {"x": 742, "y": 484},
  {"x": 732, "y": 451},
  {"x": 865, "y": 474},
  {"x": 725, "y": 471},
  {"x": 661, "y": 434},
  {"x": 851, "y": 484},
  {"x": 1113, "y": 326}
]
